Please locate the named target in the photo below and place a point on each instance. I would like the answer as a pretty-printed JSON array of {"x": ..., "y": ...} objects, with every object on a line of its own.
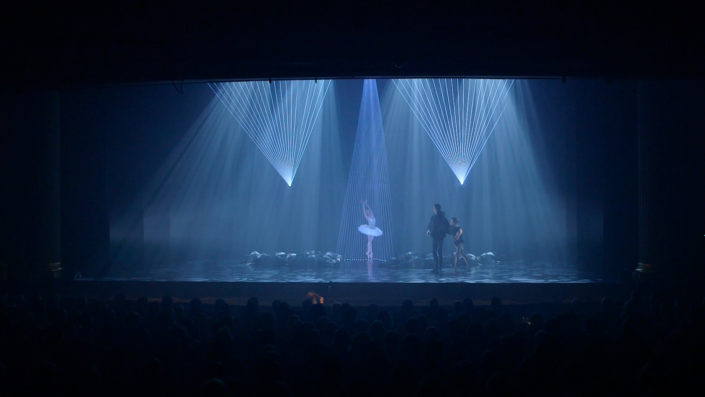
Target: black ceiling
[{"x": 59, "y": 47}]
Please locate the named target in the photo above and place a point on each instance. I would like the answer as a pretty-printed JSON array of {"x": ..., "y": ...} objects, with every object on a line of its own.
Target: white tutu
[{"x": 370, "y": 230}]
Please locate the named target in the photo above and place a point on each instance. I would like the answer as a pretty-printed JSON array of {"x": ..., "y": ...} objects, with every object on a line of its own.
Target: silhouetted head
[
  {"x": 436, "y": 208},
  {"x": 454, "y": 221},
  {"x": 215, "y": 387}
]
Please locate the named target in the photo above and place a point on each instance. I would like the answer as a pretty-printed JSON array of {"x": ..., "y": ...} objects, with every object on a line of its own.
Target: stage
[
  {"x": 507, "y": 167},
  {"x": 323, "y": 269},
  {"x": 294, "y": 293},
  {"x": 355, "y": 282}
]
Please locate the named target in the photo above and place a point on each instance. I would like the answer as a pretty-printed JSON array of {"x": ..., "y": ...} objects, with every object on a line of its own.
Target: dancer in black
[
  {"x": 437, "y": 229},
  {"x": 457, "y": 232}
]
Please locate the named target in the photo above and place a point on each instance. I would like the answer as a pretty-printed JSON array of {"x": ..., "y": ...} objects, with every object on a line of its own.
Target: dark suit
[{"x": 438, "y": 228}]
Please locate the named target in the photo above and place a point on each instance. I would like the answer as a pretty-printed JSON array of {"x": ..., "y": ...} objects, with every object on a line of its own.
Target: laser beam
[
  {"x": 458, "y": 115},
  {"x": 278, "y": 116}
]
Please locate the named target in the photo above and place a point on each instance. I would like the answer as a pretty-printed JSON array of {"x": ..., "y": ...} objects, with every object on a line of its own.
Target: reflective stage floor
[{"x": 356, "y": 272}]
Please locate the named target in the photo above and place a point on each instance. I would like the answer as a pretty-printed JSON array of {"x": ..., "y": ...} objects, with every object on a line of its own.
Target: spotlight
[{"x": 368, "y": 180}]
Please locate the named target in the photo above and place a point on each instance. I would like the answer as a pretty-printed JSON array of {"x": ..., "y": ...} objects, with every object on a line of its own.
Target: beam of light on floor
[
  {"x": 278, "y": 116},
  {"x": 368, "y": 179},
  {"x": 458, "y": 115}
]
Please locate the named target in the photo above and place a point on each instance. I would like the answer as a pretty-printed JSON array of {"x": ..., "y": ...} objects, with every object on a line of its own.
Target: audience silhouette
[{"x": 88, "y": 347}]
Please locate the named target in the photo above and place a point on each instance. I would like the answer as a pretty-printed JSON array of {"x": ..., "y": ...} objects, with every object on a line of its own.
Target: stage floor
[{"x": 357, "y": 271}]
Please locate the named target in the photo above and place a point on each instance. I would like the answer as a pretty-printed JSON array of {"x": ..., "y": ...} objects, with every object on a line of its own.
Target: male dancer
[{"x": 438, "y": 228}]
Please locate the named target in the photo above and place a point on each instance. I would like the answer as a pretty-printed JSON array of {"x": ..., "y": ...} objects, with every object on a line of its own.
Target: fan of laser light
[
  {"x": 458, "y": 115},
  {"x": 278, "y": 116}
]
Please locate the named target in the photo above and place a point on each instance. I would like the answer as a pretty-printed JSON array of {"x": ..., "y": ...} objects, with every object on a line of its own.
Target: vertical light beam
[
  {"x": 368, "y": 179},
  {"x": 278, "y": 116},
  {"x": 458, "y": 115}
]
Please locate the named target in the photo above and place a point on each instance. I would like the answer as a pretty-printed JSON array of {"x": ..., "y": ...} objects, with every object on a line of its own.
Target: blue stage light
[
  {"x": 368, "y": 180},
  {"x": 459, "y": 115},
  {"x": 278, "y": 116}
]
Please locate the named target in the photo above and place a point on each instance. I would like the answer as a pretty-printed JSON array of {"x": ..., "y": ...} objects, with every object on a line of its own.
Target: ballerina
[{"x": 370, "y": 229}]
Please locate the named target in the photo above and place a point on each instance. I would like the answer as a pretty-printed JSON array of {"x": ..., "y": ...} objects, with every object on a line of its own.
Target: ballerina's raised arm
[{"x": 366, "y": 210}]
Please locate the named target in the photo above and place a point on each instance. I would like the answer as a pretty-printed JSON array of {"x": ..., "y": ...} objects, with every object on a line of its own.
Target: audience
[{"x": 91, "y": 347}]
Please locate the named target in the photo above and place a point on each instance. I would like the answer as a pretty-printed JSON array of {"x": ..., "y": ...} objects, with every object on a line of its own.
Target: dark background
[
  {"x": 63, "y": 44},
  {"x": 638, "y": 137}
]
